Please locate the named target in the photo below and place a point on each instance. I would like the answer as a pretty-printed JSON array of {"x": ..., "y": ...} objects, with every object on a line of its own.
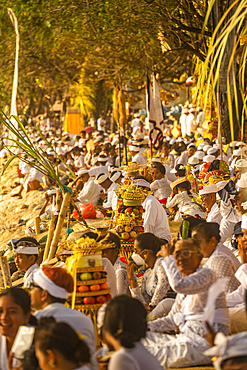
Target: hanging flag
[{"x": 154, "y": 113}]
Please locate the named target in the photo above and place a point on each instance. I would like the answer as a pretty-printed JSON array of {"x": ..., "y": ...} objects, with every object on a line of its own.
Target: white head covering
[
  {"x": 185, "y": 110},
  {"x": 101, "y": 178},
  {"x": 156, "y": 160},
  {"x": 244, "y": 222},
  {"x": 237, "y": 152},
  {"x": 221, "y": 184},
  {"x": 115, "y": 176},
  {"x": 193, "y": 160},
  {"x": 208, "y": 189},
  {"x": 212, "y": 150},
  {"x": 240, "y": 143},
  {"x": 42, "y": 280},
  {"x": 241, "y": 163},
  {"x": 102, "y": 159},
  {"x": 24, "y": 247},
  {"x": 141, "y": 183},
  {"x": 208, "y": 158},
  {"x": 52, "y": 191},
  {"x": 233, "y": 143},
  {"x": 172, "y": 141},
  {"x": 201, "y": 146},
  {"x": 134, "y": 148},
  {"x": 193, "y": 210},
  {"x": 199, "y": 155},
  {"x": 242, "y": 183},
  {"x": 227, "y": 347},
  {"x": 206, "y": 147}
]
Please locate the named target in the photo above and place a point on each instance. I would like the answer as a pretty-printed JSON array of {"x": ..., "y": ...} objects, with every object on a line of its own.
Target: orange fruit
[
  {"x": 104, "y": 286},
  {"x": 83, "y": 288},
  {"x": 95, "y": 287}
]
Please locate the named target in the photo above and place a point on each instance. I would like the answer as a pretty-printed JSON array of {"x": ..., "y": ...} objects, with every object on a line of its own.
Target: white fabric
[
  {"x": 244, "y": 222},
  {"x": 155, "y": 218},
  {"x": 138, "y": 133},
  {"x": 184, "y": 349},
  {"x": 141, "y": 183},
  {"x": 90, "y": 193},
  {"x": 76, "y": 319},
  {"x": 208, "y": 189},
  {"x": 111, "y": 276},
  {"x": 224, "y": 264},
  {"x": 4, "y": 355},
  {"x": 154, "y": 285},
  {"x": 79, "y": 161},
  {"x": 183, "y": 123},
  {"x": 28, "y": 277},
  {"x": 95, "y": 171},
  {"x": 191, "y": 124},
  {"x": 100, "y": 124},
  {"x": 180, "y": 200},
  {"x": 214, "y": 214},
  {"x": 115, "y": 176},
  {"x": 183, "y": 159},
  {"x": 45, "y": 283},
  {"x": 111, "y": 197},
  {"x": 26, "y": 250},
  {"x": 161, "y": 188},
  {"x": 140, "y": 159},
  {"x": 101, "y": 179},
  {"x": 122, "y": 281},
  {"x": 241, "y": 275},
  {"x": 136, "y": 358}
]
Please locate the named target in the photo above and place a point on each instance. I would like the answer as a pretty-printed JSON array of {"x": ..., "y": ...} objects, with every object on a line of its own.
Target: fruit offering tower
[
  {"x": 128, "y": 222},
  {"x": 91, "y": 289}
]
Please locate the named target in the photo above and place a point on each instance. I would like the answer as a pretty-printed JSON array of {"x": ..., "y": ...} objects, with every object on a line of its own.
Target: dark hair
[
  {"x": 20, "y": 297},
  {"x": 237, "y": 361},
  {"x": 160, "y": 167},
  {"x": 31, "y": 240},
  {"x": 186, "y": 185},
  {"x": 208, "y": 230},
  {"x": 215, "y": 165},
  {"x": 30, "y": 361},
  {"x": 180, "y": 172},
  {"x": 125, "y": 320},
  {"x": 193, "y": 221},
  {"x": 112, "y": 238},
  {"x": 61, "y": 337},
  {"x": 149, "y": 241}
]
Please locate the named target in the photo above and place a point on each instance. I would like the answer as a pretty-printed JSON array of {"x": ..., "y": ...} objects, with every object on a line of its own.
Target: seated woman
[
  {"x": 180, "y": 196},
  {"x": 160, "y": 185},
  {"x": 112, "y": 245},
  {"x": 15, "y": 310},
  {"x": 124, "y": 326},
  {"x": 155, "y": 283},
  {"x": 192, "y": 283},
  {"x": 58, "y": 346}
]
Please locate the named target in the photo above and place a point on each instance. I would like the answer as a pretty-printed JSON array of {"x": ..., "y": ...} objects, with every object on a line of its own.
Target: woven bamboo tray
[
  {"x": 91, "y": 282},
  {"x": 90, "y": 269},
  {"x": 90, "y": 294}
]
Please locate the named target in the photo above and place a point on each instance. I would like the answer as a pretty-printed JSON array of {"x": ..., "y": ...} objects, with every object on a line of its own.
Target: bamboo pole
[
  {"x": 37, "y": 225},
  {"x": 59, "y": 226},
  {"x": 219, "y": 126},
  {"x": 49, "y": 239},
  {"x": 6, "y": 272}
]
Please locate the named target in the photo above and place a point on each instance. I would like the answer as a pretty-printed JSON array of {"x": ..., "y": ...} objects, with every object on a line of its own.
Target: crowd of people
[{"x": 159, "y": 322}]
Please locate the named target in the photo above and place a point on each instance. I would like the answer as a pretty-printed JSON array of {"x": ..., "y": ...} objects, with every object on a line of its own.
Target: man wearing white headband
[
  {"x": 208, "y": 197},
  {"x": 109, "y": 187},
  {"x": 91, "y": 190},
  {"x": 26, "y": 251},
  {"x": 155, "y": 218},
  {"x": 136, "y": 155},
  {"x": 51, "y": 289}
]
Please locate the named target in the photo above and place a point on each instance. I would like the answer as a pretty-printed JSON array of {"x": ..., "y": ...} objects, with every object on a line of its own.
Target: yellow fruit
[
  {"x": 133, "y": 234},
  {"x": 127, "y": 229},
  {"x": 125, "y": 236}
]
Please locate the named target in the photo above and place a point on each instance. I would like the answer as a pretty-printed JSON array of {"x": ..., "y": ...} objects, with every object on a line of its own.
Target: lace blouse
[
  {"x": 121, "y": 277},
  {"x": 191, "y": 298},
  {"x": 179, "y": 200},
  {"x": 161, "y": 188},
  {"x": 154, "y": 285}
]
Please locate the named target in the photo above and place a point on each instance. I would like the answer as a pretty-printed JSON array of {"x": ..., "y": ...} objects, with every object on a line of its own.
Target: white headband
[
  {"x": 133, "y": 148},
  {"x": 141, "y": 183},
  {"x": 101, "y": 178},
  {"x": 52, "y": 192},
  {"x": 115, "y": 176},
  {"x": 47, "y": 284},
  {"x": 24, "y": 247},
  {"x": 81, "y": 171},
  {"x": 102, "y": 159},
  {"x": 208, "y": 189},
  {"x": 244, "y": 222}
]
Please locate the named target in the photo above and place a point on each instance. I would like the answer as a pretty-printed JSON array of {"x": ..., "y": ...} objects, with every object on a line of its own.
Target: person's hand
[
  {"x": 242, "y": 251},
  {"x": 167, "y": 249},
  {"x": 210, "y": 336},
  {"x": 130, "y": 270},
  {"x": 10, "y": 362},
  {"x": 102, "y": 365}
]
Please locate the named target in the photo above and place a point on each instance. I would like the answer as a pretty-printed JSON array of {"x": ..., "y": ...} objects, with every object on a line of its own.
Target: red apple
[
  {"x": 101, "y": 299},
  {"x": 108, "y": 297},
  {"x": 89, "y": 300}
]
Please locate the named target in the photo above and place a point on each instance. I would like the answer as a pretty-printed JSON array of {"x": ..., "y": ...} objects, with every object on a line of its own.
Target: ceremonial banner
[{"x": 154, "y": 113}]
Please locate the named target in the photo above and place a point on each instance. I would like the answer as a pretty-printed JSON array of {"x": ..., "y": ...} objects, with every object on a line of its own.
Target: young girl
[{"x": 180, "y": 197}]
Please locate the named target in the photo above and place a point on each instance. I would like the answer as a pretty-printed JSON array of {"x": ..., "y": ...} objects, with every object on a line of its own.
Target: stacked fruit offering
[
  {"x": 91, "y": 287},
  {"x": 128, "y": 221}
]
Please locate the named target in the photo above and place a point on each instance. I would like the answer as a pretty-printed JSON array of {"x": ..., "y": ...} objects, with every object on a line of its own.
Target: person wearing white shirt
[
  {"x": 101, "y": 122},
  {"x": 109, "y": 187},
  {"x": 191, "y": 122},
  {"x": 78, "y": 158},
  {"x": 200, "y": 116},
  {"x": 154, "y": 217},
  {"x": 208, "y": 197},
  {"x": 183, "y": 121},
  {"x": 137, "y": 156},
  {"x": 50, "y": 292},
  {"x": 139, "y": 132},
  {"x": 91, "y": 191},
  {"x": 136, "y": 121}
]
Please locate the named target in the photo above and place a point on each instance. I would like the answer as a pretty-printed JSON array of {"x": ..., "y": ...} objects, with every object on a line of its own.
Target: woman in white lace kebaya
[
  {"x": 192, "y": 283},
  {"x": 180, "y": 196},
  {"x": 155, "y": 282}
]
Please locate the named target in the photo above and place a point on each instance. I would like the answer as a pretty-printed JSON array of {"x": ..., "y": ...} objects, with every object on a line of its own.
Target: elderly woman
[{"x": 192, "y": 283}]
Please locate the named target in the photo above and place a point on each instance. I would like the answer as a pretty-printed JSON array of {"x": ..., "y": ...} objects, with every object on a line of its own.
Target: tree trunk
[{"x": 223, "y": 94}]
